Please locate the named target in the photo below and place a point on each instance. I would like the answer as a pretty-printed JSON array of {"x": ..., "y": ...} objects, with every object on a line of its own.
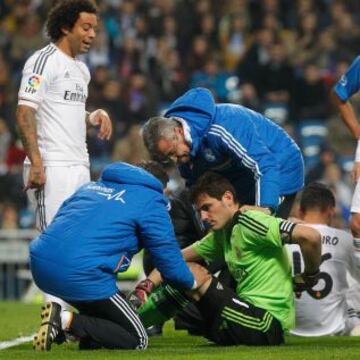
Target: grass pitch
[{"x": 17, "y": 319}]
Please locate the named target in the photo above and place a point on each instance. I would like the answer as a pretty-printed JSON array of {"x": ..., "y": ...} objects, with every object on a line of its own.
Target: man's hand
[
  {"x": 139, "y": 296},
  {"x": 355, "y": 174},
  {"x": 305, "y": 281},
  {"x": 101, "y": 118},
  {"x": 36, "y": 178}
]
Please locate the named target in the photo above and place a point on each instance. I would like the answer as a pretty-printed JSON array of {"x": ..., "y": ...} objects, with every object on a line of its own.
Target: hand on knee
[{"x": 203, "y": 280}]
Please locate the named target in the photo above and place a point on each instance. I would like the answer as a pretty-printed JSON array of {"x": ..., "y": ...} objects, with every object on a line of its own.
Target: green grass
[{"x": 22, "y": 320}]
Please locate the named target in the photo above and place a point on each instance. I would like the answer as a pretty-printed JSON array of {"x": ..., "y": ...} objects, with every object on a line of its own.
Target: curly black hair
[{"x": 65, "y": 14}]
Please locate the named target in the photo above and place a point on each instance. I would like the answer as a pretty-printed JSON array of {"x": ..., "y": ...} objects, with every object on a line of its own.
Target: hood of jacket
[
  {"x": 123, "y": 173},
  {"x": 197, "y": 107}
]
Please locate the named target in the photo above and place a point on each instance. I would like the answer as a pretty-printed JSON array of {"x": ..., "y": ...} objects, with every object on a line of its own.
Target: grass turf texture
[{"x": 19, "y": 319}]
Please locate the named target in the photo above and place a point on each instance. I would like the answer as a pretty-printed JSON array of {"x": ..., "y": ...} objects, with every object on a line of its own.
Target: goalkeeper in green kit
[{"x": 261, "y": 309}]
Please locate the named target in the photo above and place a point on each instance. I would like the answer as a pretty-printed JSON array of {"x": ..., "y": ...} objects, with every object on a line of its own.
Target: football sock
[
  {"x": 66, "y": 318},
  {"x": 162, "y": 305}
]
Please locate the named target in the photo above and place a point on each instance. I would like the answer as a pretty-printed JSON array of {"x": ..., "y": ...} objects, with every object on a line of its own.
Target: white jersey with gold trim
[
  {"x": 56, "y": 86},
  {"x": 324, "y": 309}
]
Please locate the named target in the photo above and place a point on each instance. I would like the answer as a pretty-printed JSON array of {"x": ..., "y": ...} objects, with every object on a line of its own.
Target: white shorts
[
  {"x": 61, "y": 183},
  {"x": 355, "y": 202}
]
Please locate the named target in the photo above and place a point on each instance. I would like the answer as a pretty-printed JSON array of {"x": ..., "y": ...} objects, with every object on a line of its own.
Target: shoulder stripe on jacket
[
  {"x": 253, "y": 224},
  {"x": 238, "y": 149},
  {"x": 241, "y": 152},
  {"x": 42, "y": 59}
]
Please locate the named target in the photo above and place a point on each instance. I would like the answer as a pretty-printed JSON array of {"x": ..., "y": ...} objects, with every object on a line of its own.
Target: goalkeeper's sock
[{"x": 162, "y": 305}]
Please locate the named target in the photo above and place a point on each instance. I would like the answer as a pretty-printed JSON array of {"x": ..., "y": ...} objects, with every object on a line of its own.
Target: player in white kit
[
  {"x": 51, "y": 114},
  {"x": 323, "y": 310}
]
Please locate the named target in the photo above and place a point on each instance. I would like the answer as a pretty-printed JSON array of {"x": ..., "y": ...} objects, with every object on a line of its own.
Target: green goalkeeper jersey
[{"x": 253, "y": 250}]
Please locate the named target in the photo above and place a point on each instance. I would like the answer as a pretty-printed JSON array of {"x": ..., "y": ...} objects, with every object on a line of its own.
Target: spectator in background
[
  {"x": 346, "y": 33},
  {"x": 112, "y": 100},
  {"x": 26, "y": 40},
  {"x": 9, "y": 217},
  {"x": 257, "y": 55},
  {"x": 212, "y": 78},
  {"x": 305, "y": 38},
  {"x": 327, "y": 156},
  {"x": 170, "y": 76},
  {"x": 310, "y": 112},
  {"x": 7, "y": 93},
  {"x": 310, "y": 98},
  {"x": 276, "y": 77},
  {"x": 199, "y": 54},
  {"x": 249, "y": 97},
  {"x": 130, "y": 148},
  {"x": 234, "y": 39},
  {"x": 209, "y": 30},
  {"x": 128, "y": 61},
  {"x": 141, "y": 98},
  {"x": 101, "y": 74}
]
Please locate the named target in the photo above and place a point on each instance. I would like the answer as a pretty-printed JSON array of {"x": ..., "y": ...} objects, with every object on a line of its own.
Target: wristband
[
  {"x": 357, "y": 152},
  {"x": 194, "y": 285}
]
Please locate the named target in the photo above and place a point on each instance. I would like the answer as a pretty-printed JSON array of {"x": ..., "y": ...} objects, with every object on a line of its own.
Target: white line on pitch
[{"x": 15, "y": 342}]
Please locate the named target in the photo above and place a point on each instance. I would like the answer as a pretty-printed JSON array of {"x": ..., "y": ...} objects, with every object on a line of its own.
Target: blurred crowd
[{"x": 277, "y": 57}]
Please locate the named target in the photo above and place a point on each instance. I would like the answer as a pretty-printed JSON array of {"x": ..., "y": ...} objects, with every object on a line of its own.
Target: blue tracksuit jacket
[
  {"x": 98, "y": 230},
  {"x": 256, "y": 155}
]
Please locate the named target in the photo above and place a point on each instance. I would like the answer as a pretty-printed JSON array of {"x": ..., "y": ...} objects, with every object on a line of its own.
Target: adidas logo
[
  {"x": 219, "y": 286},
  {"x": 67, "y": 75}
]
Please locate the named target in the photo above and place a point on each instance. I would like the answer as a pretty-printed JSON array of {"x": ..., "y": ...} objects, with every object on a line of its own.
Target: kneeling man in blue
[{"x": 94, "y": 235}]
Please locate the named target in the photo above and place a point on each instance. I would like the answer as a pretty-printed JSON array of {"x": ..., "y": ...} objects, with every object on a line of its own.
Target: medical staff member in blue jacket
[
  {"x": 258, "y": 157},
  {"x": 94, "y": 236},
  {"x": 344, "y": 89}
]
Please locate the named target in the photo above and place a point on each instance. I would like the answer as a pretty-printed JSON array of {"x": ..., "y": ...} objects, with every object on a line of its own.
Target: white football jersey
[
  {"x": 323, "y": 310},
  {"x": 56, "y": 85}
]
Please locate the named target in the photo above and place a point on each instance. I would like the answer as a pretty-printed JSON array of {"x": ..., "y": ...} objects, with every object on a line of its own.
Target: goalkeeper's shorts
[{"x": 232, "y": 321}]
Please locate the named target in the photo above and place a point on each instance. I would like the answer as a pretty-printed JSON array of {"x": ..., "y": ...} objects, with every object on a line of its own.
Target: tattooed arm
[{"x": 25, "y": 117}]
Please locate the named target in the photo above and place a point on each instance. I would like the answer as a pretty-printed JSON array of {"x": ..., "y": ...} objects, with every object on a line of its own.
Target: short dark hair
[
  {"x": 317, "y": 196},
  {"x": 212, "y": 184},
  {"x": 156, "y": 169},
  {"x": 64, "y": 14}
]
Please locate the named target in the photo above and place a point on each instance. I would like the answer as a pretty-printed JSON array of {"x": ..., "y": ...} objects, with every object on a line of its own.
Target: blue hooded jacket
[
  {"x": 97, "y": 231},
  {"x": 256, "y": 155}
]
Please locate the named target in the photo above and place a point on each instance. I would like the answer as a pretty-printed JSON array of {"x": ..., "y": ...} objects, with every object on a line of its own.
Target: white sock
[
  {"x": 62, "y": 303},
  {"x": 66, "y": 317}
]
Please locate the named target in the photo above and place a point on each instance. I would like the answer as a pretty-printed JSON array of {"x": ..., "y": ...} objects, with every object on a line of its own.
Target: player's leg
[
  {"x": 43, "y": 202},
  {"x": 110, "y": 323},
  {"x": 234, "y": 321},
  {"x": 61, "y": 183},
  {"x": 166, "y": 301}
]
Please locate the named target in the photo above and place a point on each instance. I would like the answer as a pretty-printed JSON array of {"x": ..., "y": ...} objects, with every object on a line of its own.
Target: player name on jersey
[{"x": 329, "y": 240}]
